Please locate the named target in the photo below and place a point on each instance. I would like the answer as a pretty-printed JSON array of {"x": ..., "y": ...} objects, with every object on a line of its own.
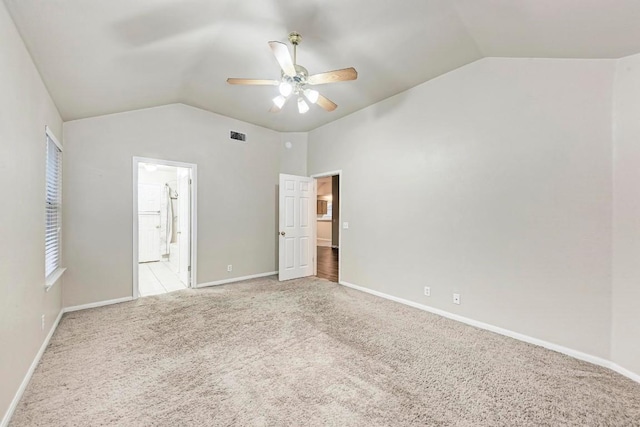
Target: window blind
[{"x": 53, "y": 199}]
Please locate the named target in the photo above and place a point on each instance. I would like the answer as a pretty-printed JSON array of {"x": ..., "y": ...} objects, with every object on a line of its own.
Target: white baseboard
[
  {"x": 623, "y": 371},
  {"x": 235, "y": 279},
  {"x": 27, "y": 377},
  {"x": 323, "y": 242},
  {"x": 97, "y": 304},
  {"x": 498, "y": 330},
  {"x": 560, "y": 349}
]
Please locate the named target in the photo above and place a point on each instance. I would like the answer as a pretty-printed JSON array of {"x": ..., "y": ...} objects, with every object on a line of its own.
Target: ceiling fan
[{"x": 296, "y": 79}]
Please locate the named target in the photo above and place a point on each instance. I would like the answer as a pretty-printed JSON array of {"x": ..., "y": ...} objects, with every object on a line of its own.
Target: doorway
[
  {"x": 328, "y": 226},
  {"x": 164, "y": 226}
]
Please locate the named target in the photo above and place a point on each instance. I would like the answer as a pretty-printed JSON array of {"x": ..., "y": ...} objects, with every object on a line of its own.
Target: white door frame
[
  {"x": 194, "y": 223},
  {"x": 315, "y": 231}
]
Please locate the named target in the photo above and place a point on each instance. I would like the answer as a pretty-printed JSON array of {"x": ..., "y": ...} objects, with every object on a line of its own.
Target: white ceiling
[{"x": 105, "y": 56}]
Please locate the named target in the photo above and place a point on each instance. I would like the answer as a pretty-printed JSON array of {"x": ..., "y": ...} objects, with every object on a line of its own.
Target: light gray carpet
[{"x": 308, "y": 353}]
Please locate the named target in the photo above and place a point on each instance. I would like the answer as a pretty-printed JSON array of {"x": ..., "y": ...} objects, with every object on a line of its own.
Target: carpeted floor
[{"x": 306, "y": 352}]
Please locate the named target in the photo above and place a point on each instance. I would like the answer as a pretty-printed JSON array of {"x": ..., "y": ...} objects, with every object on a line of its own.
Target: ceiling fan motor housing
[{"x": 298, "y": 81}]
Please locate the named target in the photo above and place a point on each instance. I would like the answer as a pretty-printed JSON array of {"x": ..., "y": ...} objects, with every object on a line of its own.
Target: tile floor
[{"x": 157, "y": 278}]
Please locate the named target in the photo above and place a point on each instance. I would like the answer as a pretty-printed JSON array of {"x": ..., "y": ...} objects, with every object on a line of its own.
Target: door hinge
[
  {"x": 189, "y": 181},
  {"x": 189, "y": 269}
]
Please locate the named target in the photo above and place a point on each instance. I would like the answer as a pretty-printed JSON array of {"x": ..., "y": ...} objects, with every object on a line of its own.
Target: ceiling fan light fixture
[
  {"x": 279, "y": 101},
  {"x": 294, "y": 79},
  {"x": 312, "y": 95},
  {"x": 285, "y": 89},
  {"x": 303, "y": 107}
]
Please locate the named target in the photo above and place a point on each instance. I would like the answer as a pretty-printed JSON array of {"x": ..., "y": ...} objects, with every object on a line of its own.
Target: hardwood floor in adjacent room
[{"x": 328, "y": 263}]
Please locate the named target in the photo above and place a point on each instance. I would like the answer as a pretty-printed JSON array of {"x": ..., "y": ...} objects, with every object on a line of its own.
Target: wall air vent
[{"x": 238, "y": 136}]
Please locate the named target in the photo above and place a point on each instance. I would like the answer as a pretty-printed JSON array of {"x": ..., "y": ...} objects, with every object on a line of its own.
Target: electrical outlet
[
  {"x": 229, "y": 267},
  {"x": 42, "y": 323},
  {"x": 456, "y": 298},
  {"x": 427, "y": 291}
]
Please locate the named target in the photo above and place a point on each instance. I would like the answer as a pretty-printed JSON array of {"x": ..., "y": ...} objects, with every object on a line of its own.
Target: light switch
[{"x": 345, "y": 225}]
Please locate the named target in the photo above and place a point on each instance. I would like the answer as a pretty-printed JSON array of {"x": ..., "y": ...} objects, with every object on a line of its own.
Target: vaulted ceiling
[{"x": 105, "y": 56}]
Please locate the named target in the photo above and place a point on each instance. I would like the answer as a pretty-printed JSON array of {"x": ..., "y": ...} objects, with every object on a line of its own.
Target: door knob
[{"x": 282, "y": 233}]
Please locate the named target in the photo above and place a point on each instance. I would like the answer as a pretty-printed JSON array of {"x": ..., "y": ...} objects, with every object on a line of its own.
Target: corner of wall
[{"x": 625, "y": 294}]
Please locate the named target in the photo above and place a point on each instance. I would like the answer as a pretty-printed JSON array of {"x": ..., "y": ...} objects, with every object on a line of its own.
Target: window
[{"x": 53, "y": 209}]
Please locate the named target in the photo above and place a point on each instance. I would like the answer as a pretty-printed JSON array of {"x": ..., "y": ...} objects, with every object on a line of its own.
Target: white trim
[
  {"x": 194, "y": 216},
  {"x": 97, "y": 304},
  {"x": 52, "y": 137},
  {"x": 340, "y": 217},
  {"x": 506, "y": 332},
  {"x": 573, "y": 353},
  {"x": 53, "y": 278},
  {"x": 235, "y": 279},
  {"x": 29, "y": 374},
  {"x": 623, "y": 371}
]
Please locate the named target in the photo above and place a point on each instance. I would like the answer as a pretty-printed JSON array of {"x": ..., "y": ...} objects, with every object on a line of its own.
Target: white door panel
[{"x": 297, "y": 211}]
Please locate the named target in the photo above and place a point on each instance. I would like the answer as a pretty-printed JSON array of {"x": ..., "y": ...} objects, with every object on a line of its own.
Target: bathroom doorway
[{"x": 164, "y": 224}]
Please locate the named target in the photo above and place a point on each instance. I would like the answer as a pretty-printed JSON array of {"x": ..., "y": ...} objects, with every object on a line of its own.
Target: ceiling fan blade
[
  {"x": 234, "y": 81},
  {"x": 281, "y": 52},
  {"x": 333, "y": 76},
  {"x": 326, "y": 103}
]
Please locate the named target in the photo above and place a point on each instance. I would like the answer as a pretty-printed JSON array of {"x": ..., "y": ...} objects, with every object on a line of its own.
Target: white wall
[
  {"x": 493, "y": 181},
  {"x": 626, "y": 211},
  {"x": 25, "y": 109},
  {"x": 160, "y": 177},
  {"x": 294, "y": 159},
  {"x": 237, "y": 194}
]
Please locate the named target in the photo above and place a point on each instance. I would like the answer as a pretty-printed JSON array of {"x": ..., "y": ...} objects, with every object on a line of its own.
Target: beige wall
[
  {"x": 237, "y": 194},
  {"x": 324, "y": 230},
  {"x": 25, "y": 109},
  {"x": 626, "y": 211},
  {"x": 493, "y": 181}
]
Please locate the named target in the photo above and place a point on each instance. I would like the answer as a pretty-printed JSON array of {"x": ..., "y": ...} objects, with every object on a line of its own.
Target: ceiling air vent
[{"x": 238, "y": 136}]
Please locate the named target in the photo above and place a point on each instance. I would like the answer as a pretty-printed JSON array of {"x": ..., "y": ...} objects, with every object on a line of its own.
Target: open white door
[
  {"x": 297, "y": 226},
  {"x": 184, "y": 229}
]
